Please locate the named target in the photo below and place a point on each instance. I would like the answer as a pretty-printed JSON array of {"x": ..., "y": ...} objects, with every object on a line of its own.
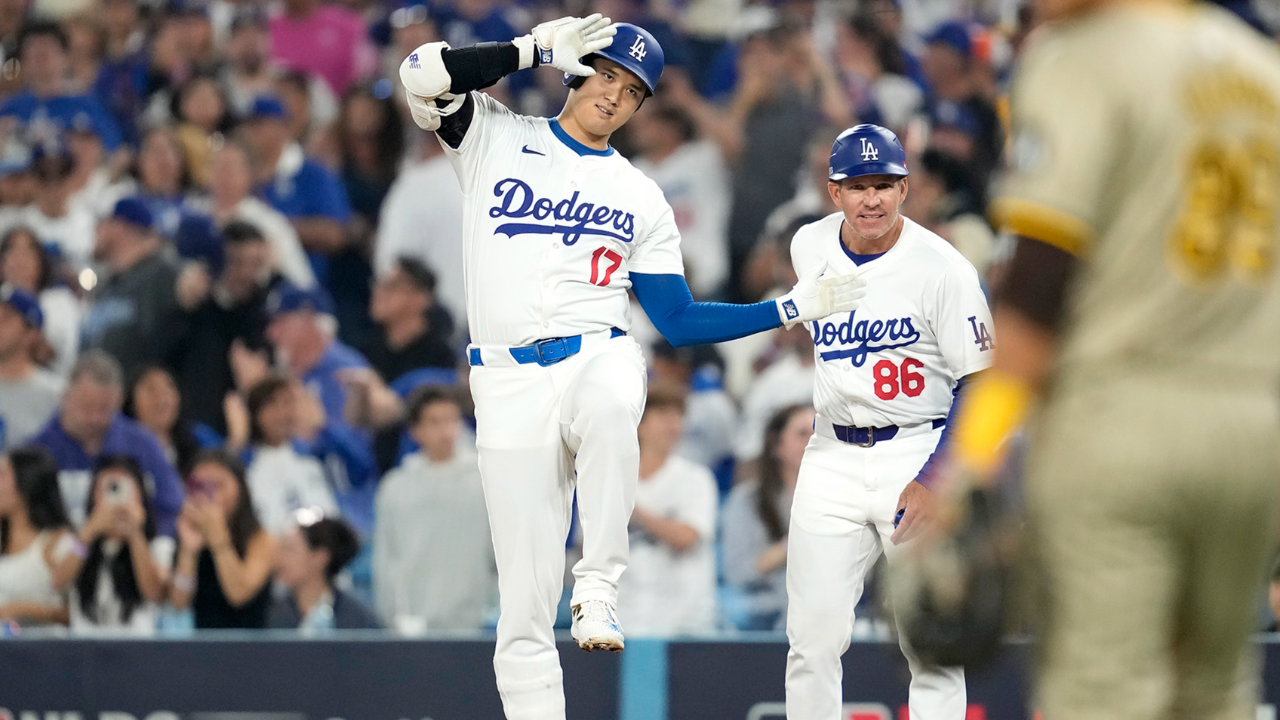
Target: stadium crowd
[{"x": 232, "y": 390}]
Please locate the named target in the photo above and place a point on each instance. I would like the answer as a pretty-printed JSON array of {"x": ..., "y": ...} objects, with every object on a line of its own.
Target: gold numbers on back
[{"x": 1229, "y": 212}]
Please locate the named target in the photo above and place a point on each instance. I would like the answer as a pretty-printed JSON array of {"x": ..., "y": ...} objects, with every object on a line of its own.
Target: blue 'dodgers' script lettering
[
  {"x": 861, "y": 338},
  {"x": 568, "y": 217}
]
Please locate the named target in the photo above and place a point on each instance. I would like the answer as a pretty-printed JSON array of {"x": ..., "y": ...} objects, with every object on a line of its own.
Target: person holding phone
[
  {"x": 121, "y": 579},
  {"x": 225, "y": 557}
]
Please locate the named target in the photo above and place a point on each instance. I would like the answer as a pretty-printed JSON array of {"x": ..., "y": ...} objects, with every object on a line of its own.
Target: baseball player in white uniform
[
  {"x": 556, "y": 228},
  {"x": 885, "y": 381}
]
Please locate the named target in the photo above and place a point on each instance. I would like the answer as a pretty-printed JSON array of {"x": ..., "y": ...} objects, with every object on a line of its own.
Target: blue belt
[
  {"x": 544, "y": 352},
  {"x": 866, "y": 437}
]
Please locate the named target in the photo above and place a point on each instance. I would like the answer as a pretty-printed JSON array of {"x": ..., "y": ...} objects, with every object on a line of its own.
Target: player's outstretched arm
[
  {"x": 670, "y": 306},
  {"x": 437, "y": 78}
]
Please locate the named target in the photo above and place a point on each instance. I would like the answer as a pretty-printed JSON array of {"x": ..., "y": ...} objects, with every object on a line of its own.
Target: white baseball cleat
[{"x": 595, "y": 626}]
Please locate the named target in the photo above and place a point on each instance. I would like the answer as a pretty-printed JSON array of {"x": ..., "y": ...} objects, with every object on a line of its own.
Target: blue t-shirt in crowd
[
  {"x": 312, "y": 191},
  {"x": 64, "y": 112},
  {"x": 124, "y": 437}
]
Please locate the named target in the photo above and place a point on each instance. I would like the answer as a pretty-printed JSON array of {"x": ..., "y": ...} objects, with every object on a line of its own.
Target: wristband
[{"x": 994, "y": 407}]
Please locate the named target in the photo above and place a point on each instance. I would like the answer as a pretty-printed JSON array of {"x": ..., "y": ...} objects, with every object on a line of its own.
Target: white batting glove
[
  {"x": 815, "y": 297},
  {"x": 562, "y": 43}
]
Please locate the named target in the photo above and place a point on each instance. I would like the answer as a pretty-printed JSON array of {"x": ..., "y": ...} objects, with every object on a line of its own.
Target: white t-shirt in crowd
[
  {"x": 109, "y": 609},
  {"x": 665, "y": 592},
  {"x": 786, "y": 382},
  {"x": 282, "y": 481}
]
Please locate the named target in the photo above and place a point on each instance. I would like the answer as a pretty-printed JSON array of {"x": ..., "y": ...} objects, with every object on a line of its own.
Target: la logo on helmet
[
  {"x": 637, "y": 50},
  {"x": 869, "y": 151}
]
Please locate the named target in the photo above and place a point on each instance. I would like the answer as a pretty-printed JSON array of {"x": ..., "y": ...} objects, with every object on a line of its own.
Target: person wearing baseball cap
[
  {"x": 138, "y": 293},
  {"x": 302, "y": 334},
  {"x": 301, "y": 189},
  {"x": 29, "y": 394}
]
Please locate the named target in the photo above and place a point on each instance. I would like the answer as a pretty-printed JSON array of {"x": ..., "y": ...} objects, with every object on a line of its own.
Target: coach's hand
[
  {"x": 918, "y": 502},
  {"x": 815, "y": 297},
  {"x": 562, "y": 43}
]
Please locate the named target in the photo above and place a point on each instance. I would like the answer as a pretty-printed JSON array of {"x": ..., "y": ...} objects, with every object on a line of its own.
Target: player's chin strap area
[
  {"x": 867, "y": 437},
  {"x": 543, "y": 353}
]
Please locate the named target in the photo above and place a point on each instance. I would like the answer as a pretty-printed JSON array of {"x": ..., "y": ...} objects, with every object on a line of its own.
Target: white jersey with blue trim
[
  {"x": 923, "y": 324},
  {"x": 552, "y": 229}
]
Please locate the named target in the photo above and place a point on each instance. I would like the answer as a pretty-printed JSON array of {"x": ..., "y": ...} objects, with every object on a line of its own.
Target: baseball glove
[{"x": 953, "y": 598}]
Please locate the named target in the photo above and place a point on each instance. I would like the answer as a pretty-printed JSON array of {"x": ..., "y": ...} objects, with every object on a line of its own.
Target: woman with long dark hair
[
  {"x": 37, "y": 549},
  {"x": 154, "y": 401},
  {"x": 755, "y": 518},
  {"x": 121, "y": 580},
  {"x": 225, "y": 558},
  {"x": 27, "y": 264},
  {"x": 312, "y": 553}
]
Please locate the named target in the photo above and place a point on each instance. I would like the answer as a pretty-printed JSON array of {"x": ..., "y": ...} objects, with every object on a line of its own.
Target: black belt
[{"x": 866, "y": 437}]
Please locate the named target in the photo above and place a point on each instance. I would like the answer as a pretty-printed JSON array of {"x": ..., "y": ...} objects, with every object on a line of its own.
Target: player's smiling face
[
  {"x": 870, "y": 203},
  {"x": 605, "y": 101}
]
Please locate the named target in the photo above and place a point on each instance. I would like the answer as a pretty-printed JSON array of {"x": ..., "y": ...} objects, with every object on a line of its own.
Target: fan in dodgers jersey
[
  {"x": 887, "y": 378},
  {"x": 556, "y": 228}
]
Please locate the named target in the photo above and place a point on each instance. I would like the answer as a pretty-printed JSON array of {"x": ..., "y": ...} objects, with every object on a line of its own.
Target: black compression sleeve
[
  {"x": 478, "y": 66},
  {"x": 1036, "y": 282},
  {"x": 454, "y": 127}
]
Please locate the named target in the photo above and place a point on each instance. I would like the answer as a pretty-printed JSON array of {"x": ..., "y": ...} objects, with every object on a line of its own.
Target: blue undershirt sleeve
[
  {"x": 925, "y": 476},
  {"x": 670, "y": 306}
]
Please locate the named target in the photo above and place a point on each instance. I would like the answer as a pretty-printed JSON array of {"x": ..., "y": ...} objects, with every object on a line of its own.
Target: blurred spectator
[
  {"x": 200, "y": 111},
  {"x": 413, "y": 333},
  {"x": 89, "y": 425},
  {"x": 874, "y": 75},
  {"x": 433, "y": 564},
  {"x": 282, "y": 480},
  {"x": 234, "y": 310},
  {"x": 225, "y": 557},
  {"x": 138, "y": 296},
  {"x": 29, "y": 394},
  {"x": 26, "y": 264},
  {"x": 787, "y": 381},
  {"x": 54, "y": 218},
  {"x": 312, "y": 553},
  {"x": 311, "y": 108},
  {"x": 37, "y": 548},
  {"x": 47, "y": 105},
  {"x": 303, "y": 337},
  {"x": 86, "y": 46},
  {"x": 161, "y": 180},
  {"x": 90, "y": 173},
  {"x": 248, "y": 71},
  {"x": 754, "y": 523},
  {"x": 710, "y": 417},
  {"x": 467, "y": 22},
  {"x": 120, "y": 582},
  {"x": 422, "y": 218},
  {"x": 951, "y": 65},
  {"x": 695, "y": 182},
  {"x": 17, "y": 182},
  {"x": 942, "y": 201},
  {"x": 328, "y": 41},
  {"x": 231, "y": 198},
  {"x": 121, "y": 85},
  {"x": 669, "y": 587},
  {"x": 306, "y": 192},
  {"x": 154, "y": 402}
]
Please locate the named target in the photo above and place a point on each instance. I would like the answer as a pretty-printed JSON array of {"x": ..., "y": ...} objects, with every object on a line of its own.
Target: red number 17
[{"x": 615, "y": 262}]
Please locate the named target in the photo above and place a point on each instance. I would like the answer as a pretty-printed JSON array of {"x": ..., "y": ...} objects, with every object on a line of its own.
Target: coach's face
[
  {"x": 870, "y": 203},
  {"x": 607, "y": 100}
]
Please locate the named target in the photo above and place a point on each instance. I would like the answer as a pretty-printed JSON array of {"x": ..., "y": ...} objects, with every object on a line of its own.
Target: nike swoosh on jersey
[{"x": 526, "y": 149}]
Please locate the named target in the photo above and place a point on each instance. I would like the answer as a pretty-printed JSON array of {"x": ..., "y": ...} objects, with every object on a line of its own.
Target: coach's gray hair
[{"x": 98, "y": 366}]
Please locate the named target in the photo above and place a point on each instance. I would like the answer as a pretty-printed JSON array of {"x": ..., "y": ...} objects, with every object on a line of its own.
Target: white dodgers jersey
[
  {"x": 552, "y": 229},
  {"x": 923, "y": 324}
]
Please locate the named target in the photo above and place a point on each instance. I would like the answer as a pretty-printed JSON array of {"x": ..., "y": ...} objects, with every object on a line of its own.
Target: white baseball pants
[
  {"x": 841, "y": 520},
  {"x": 536, "y": 426}
]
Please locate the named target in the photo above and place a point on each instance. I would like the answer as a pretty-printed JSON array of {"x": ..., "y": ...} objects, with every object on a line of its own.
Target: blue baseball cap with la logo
[
  {"x": 867, "y": 150},
  {"x": 635, "y": 49}
]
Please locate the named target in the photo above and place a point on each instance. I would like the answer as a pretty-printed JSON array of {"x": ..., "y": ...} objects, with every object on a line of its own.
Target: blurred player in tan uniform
[{"x": 1141, "y": 313}]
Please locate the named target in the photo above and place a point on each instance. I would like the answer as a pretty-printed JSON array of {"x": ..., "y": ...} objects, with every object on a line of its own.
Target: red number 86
[{"x": 889, "y": 381}]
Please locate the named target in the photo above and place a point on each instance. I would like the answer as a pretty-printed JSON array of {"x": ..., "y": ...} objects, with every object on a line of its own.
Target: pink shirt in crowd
[{"x": 331, "y": 43}]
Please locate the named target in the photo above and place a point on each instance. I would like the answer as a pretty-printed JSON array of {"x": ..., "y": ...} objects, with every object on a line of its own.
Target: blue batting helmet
[
  {"x": 634, "y": 49},
  {"x": 867, "y": 150}
]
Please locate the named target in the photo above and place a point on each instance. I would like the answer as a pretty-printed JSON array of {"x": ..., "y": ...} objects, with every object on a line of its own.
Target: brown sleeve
[{"x": 1036, "y": 282}]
